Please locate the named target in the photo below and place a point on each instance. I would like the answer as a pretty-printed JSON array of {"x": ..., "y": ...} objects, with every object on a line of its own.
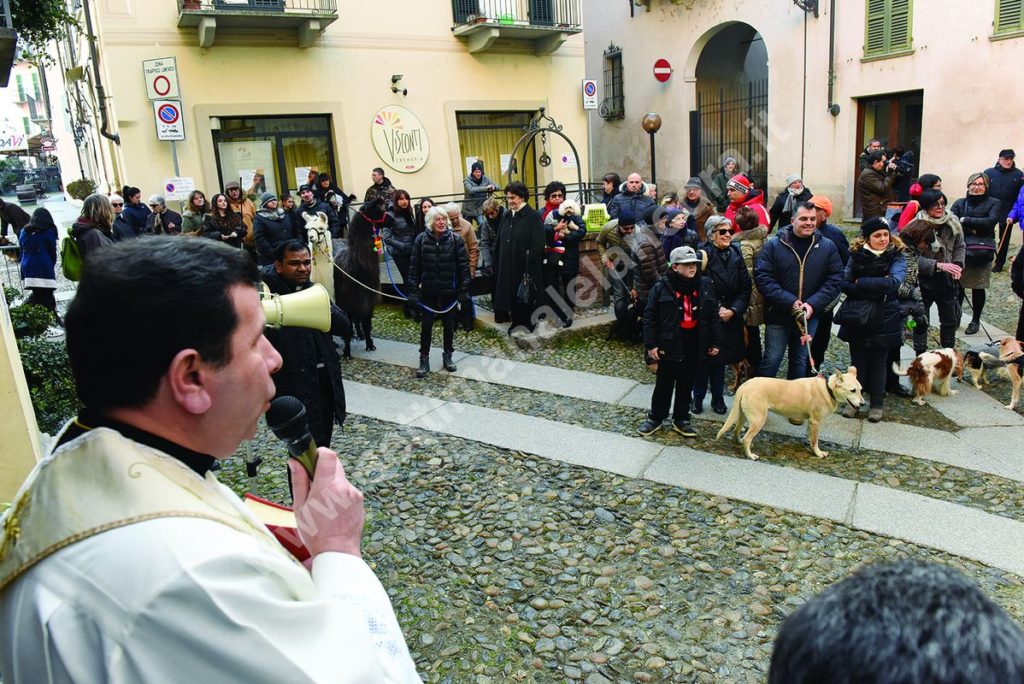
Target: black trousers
[
  {"x": 42, "y": 296},
  {"x": 673, "y": 377},
  {"x": 556, "y": 286},
  {"x": 755, "y": 353},
  {"x": 949, "y": 320},
  {"x": 447, "y": 326},
  {"x": 871, "y": 363}
]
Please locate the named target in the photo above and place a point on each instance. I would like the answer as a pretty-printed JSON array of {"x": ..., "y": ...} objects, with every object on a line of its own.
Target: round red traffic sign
[
  {"x": 168, "y": 113},
  {"x": 662, "y": 70},
  {"x": 161, "y": 85}
]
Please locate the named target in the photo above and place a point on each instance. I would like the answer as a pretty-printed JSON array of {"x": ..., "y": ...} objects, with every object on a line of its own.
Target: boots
[
  {"x": 947, "y": 335},
  {"x": 424, "y": 366},
  {"x": 446, "y": 362}
]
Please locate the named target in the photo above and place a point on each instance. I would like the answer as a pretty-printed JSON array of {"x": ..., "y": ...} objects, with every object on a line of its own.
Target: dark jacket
[
  {"x": 663, "y": 314},
  {"x": 838, "y": 237},
  {"x": 273, "y": 228},
  {"x": 89, "y": 236},
  {"x": 488, "y": 239},
  {"x": 302, "y": 350},
  {"x": 14, "y": 217},
  {"x": 136, "y": 215},
  {"x": 399, "y": 233},
  {"x": 476, "y": 193},
  {"x": 949, "y": 236},
  {"x": 701, "y": 211},
  {"x": 215, "y": 226},
  {"x": 978, "y": 215},
  {"x": 385, "y": 190},
  {"x": 778, "y": 215},
  {"x": 875, "y": 278},
  {"x": 165, "y": 223},
  {"x": 38, "y": 242},
  {"x": 649, "y": 260},
  {"x": 1004, "y": 185},
  {"x": 875, "y": 192},
  {"x": 333, "y": 223},
  {"x": 637, "y": 203},
  {"x": 782, "y": 276},
  {"x": 439, "y": 268},
  {"x": 324, "y": 195},
  {"x": 731, "y": 284},
  {"x": 568, "y": 261},
  {"x": 519, "y": 250},
  {"x": 1017, "y": 285},
  {"x": 123, "y": 230},
  {"x": 685, "y": 236}
]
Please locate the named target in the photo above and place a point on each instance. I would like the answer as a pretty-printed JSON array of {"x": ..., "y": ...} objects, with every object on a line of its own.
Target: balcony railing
[
  {"x": 545, "y": 22},
  {"x": 308, "y": 17}
]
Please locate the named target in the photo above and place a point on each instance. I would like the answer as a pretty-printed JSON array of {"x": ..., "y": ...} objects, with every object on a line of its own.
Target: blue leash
[{"x": 394, "y": 285}]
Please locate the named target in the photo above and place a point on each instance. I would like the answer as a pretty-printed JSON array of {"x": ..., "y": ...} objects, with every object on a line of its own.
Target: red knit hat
[{"x": 739, "y": 183}]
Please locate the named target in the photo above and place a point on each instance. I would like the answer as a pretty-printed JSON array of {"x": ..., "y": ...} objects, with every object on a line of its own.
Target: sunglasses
[
  {"x": 118, "y": 204},
  {"x": 556, "y": 195},
  {"x": 721, "y": 231}
]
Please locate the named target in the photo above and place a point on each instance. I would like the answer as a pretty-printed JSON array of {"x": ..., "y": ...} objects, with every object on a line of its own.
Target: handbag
[
  {"x": 979, "y": 250},
  {"x": 526, "y": 293},
  {"x": 860, "y": 312}
]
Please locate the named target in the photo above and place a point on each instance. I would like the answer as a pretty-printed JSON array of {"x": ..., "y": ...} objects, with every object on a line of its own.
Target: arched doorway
[{"x": 730, "y": 65}]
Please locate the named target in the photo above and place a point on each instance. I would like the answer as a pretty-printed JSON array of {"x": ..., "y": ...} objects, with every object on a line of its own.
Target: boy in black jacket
[{"x": 680, "y": 331}]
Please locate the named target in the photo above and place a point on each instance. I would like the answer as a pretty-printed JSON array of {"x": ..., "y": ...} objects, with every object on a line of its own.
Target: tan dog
[
  {"x": 1007, "y": 364},
  {"x": 932, "y": 370},
  {"x": 809, "y": 399}
]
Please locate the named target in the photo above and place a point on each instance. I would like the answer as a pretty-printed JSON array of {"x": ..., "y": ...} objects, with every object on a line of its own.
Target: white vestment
[{"x": 118, "y": 563}]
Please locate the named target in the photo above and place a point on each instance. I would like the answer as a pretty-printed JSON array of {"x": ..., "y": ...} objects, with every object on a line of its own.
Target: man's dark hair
[
  {"x": 804, "y": 205},
  {"x": 903, "y": 622},
  {"x": 554, "y": 186},
  {"x": 289, "y": 246},
  {"x": 379, "y": 170},
  {"x": 927, "y": 181},
  {"x": 517, "y": 188},
  {"x": 874, "y": 140},
  {"x": 876, "y": 156},
  {"x": 321, "y": 177},
  {"x": 139, "y": 303},
  {"x": 929, "y": 198}
]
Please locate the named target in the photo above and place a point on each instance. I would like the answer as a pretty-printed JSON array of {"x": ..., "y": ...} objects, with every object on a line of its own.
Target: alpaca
[
  {"x": 360, "y": 260},
  {"x": 320, "y": 251}
]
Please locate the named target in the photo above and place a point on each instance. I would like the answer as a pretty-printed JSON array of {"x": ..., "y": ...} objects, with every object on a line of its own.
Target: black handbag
[
  {"x": 526, "y": 293},
  {"x": 862, "y": 313},
  {"x": 979, "y": 250}
]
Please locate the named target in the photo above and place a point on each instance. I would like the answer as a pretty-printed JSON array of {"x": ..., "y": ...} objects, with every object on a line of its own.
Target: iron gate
[{"x": 731, "y": 122}]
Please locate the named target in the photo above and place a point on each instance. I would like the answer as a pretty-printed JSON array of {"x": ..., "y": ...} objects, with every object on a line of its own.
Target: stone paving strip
[
  {"x": 960, "y": 530},
  {"x": 971, "y": 408}
]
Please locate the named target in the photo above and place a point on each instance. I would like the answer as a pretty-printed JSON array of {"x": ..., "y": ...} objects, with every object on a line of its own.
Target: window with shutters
[
  {"x": 21, "y": 87},
  {"x": 888, "y": 27},
  {"x": 1009, "y": 16}
]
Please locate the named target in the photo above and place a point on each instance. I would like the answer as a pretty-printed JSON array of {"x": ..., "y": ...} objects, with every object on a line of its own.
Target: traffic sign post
[
  {"x": 589, "y": 94},
  {"x": 161, "y": 78},
  {"x": 169, "y": 122},
  {"x": 662, "y": 70}
]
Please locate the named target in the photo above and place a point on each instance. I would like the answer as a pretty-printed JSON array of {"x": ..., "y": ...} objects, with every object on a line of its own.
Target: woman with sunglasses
[
  {"x": 554, "y": 195},
  {"x": 122, "y": 229}
]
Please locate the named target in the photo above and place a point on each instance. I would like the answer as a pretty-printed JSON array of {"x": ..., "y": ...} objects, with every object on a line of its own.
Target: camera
[{"x": 903, "y": 165}]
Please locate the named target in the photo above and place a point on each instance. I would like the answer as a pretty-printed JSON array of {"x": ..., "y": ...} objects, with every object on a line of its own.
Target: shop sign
[{"x": 400, "y": 139}]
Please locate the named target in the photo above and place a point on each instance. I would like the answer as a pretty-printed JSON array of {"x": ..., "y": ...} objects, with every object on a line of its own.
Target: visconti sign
[{"x": 400, "y": 139}]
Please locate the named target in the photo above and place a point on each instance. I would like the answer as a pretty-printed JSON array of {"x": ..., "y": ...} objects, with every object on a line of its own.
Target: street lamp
[{"x": 652, "y": 124}]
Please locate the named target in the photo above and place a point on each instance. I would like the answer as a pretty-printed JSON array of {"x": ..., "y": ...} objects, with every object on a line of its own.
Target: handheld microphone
[{"x": 286, "y": 418}]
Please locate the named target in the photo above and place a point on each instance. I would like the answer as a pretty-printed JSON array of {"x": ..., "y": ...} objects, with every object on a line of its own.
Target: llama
[
  {"x": 358, "y": 292},
  {"x": 320, "y": 251}
]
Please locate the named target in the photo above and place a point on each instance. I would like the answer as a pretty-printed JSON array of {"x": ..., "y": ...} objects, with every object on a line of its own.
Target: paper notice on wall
[
  {"x": 178, "y": 188},
  {"x": 568, "y": 161},
  {"x": 301, "y": 175},
  {"x": 469, "y": 164},
  {"x": 506, "y": 159}
]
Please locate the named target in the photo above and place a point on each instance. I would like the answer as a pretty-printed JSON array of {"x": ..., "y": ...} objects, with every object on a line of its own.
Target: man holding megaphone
[{"x": 122, "y": 558}]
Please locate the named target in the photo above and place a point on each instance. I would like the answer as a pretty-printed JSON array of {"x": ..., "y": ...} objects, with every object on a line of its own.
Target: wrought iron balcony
[
  {"x": 307, "y": 17},
  {"x": 545, "y": 23},
  {"x": 8, "y": 42}
]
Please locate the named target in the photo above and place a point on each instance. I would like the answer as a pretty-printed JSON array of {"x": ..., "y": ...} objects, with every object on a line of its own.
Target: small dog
[
  {"x": 809, "y": 399},
  {"x": 568, "y": 208},
  {"x": 742, "y": 372},
  {"x": 935, "y": 366},
  {"x": 1007, "y": 359}
]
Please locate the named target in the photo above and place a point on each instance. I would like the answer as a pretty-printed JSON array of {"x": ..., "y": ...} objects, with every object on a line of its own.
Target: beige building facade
[
  {"x": 753, "y": 82},
  {"x": 278, "y": 86}
]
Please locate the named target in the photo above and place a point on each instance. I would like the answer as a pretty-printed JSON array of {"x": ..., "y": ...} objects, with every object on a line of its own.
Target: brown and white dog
[
  {"x": 932, "y": 370},
  {"x": 1007, "y": 360}
]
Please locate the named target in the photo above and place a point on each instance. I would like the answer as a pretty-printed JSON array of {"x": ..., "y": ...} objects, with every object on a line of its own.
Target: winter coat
[
  {"x": 778, "y": 214},
  {"x": 519, "y": 250},
  {"x": 192, "y": 222},
  {"x": 89, "y": 236},
  {"x": 247, "y": 210},
  {"x": 978, "y": 215},
  {"x": 663, "y": 314},
  {"x": 685, "y": 236},
  {"x": 302, "y": 350},
  {"x": 398, "y": 233},
  {"x": 166, "y": 222},
  {"x": 751, "y": 242},
  {"x": 649, "y": 261},
  {"x": 476, "y": 193},
  {"x": 719, "y": 190},
  {"x": 38, "y": 255},
  {"x": 1005, "y": 185},
  {"x": 384, "y": 190},
  {"x": 606, "y": 197},
  {"x": 215, "y": 226},
  {"x": 950, "y": 236},
  {"x": 701, "y": 211},
  {"x": 468, "y": 235},
  {"x": 136, "y": 215},
  {"x": 488, "y": 239},
  {"x": 618, "y": 248},
  {"x": 1017, "y": 285},
  {"x": 122, "y": 229},
  {"x": 635, "y": 202},
  {"x": 12, "y": 217},
  {"x": 731, "y": 284},
  {"x": 339, "y": 202},
  {"x": 783, "y": 276},
  {"x": 271, "y": 229},
  {"x": 755, "y": 200},
  {"x": 302, "y": 210},
  {"x": 563, "y": 254},
  {"x": 875, "y": 192},
  {"x": 877, "y": 278},
  {"x": 439, "y": 268},
  {"x": 1017, "y": 212},
  {"x": 838, "y": 237}
]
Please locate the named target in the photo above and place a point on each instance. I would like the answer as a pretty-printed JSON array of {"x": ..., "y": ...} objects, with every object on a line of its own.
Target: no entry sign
[
  {"x": 169, "y": 124},
  {"x": 662, "y": 70}
]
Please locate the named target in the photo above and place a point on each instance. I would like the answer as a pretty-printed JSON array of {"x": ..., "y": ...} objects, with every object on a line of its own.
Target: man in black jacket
[
  {"x": 310, "y": 371},
  {"x": 1004, "y": 183},
  {"x": 310, "y": 206},
  {"x": 272, "y": 227}
]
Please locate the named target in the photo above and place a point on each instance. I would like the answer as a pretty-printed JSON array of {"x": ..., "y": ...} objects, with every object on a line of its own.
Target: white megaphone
[{"x": 310, "y": 308}]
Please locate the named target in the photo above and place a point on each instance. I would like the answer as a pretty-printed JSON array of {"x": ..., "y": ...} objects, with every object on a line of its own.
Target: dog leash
[{"x": 800, "y": 317}]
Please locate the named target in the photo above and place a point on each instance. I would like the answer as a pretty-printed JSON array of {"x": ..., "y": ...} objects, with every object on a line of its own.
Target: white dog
[
  {"x": 932, "y": 369},
  {"x": 320, "y": 251}
]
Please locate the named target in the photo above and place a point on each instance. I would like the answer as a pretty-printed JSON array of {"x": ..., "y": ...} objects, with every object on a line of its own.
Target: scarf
[{"x": 946, "y": 219}]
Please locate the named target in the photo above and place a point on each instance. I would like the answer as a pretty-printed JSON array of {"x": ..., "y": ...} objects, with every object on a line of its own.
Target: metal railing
[
  {"x": 248, "y": 6},
  {"x": 612, "y": 108},
  {"x": 553, "y": 13}
]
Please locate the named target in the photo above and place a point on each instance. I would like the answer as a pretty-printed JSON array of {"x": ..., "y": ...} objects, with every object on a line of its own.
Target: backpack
[{"x": 70, "y": 258}]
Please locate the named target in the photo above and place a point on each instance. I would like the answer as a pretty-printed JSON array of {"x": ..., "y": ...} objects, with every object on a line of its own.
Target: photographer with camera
[{"x": 875, "y": 184}]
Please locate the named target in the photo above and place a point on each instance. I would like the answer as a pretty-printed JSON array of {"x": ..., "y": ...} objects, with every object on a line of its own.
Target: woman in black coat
[
  {"x": 871, "y": 318},
  {"x": 795, "y": 192},
  {"x": 519, "y": 251},
  {"x": 727, "y": 272},
  {"x": 563, "y": 230},
  {"x": 978, "y": 214},
  {"x": 222, "y": 223},
  {"x": 399, "y": 234}
]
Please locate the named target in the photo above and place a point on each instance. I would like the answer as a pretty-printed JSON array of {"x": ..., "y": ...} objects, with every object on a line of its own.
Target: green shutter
[
  {"x": 35, "y": 85},
  {"x": 899, "y": 25},
  {"x": 1009, "y": 16},
  {"x": 888, "y": 27},
  {"x": 21, "y": 88},
  {"x": 24, "y": 122},
  {"x": 874, "y": 33}
]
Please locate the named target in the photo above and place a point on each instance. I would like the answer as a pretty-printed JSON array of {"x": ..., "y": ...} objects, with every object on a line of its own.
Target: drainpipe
[
  {"x": 100, "y": 92},
  {"x": 833, "y": 108}
]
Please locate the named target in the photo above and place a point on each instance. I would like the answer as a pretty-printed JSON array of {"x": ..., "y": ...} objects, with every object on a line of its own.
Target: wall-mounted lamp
[{"x": 395, "y": 78}]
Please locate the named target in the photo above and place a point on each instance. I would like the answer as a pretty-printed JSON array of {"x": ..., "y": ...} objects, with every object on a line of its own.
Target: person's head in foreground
[{"x": 909, "y": 622}]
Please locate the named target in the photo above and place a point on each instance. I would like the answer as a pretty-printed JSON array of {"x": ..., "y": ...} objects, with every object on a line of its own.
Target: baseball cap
[{"x": 684, "y": 255}]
